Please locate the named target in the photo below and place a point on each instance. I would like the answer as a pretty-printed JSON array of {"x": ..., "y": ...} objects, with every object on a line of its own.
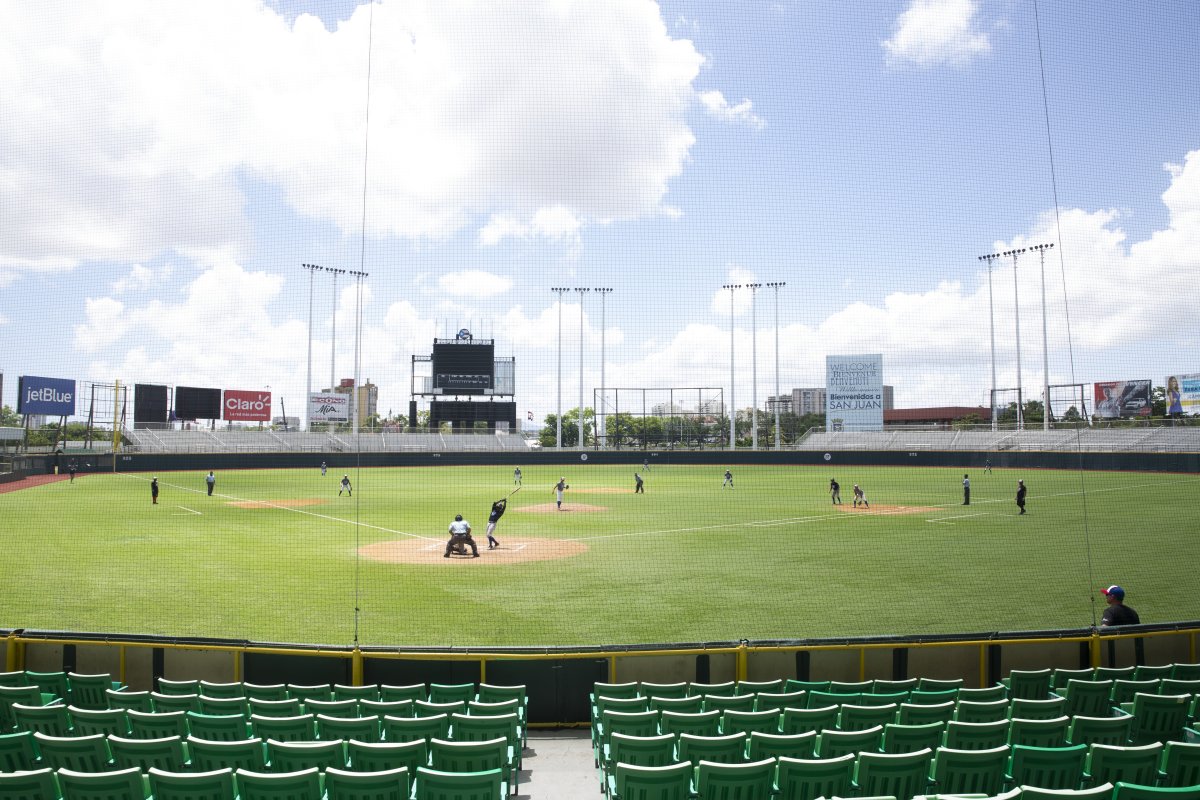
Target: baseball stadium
[{"x": 407, "y": 400}]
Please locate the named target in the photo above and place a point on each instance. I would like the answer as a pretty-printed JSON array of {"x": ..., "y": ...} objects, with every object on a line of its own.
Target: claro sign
[{"x": 240, "y": 406}]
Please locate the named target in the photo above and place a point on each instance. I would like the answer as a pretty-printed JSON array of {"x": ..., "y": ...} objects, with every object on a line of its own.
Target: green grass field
[{"x": 688, "y": 561}]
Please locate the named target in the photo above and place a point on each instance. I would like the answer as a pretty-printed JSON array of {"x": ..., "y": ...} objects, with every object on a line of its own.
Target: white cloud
[
  {"x": 720, "y": 303},
  {"x": 717, "y": 106},
  {"x": 140, "y": 121},
  {"x": 139, "y": 277},
  {"x": 474, "y": 283},
  {"x": 931, "y": 32}
]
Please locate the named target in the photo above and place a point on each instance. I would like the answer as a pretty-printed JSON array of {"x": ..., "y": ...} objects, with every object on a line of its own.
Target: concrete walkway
[{"x": 558, "y": 765}]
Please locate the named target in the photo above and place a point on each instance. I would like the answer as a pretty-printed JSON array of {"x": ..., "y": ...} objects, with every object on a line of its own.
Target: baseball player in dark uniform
[
  {"x": 966, "y": 490},
  {"x": 559, "y": 488},
  {"x": 1021, "y": 496},
  {"x": 497, "y": 512},
  {"x": 346, "y": 486},
  {"x": 639, "y": 486},
  {"x": 728, "y": 480},
  {"x": 835, "y": 492},
  {"x": 154, "y": 491}
]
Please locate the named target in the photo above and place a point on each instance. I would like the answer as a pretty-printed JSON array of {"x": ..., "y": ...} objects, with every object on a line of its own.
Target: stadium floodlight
[
  {"x": 560, "y": 291},
  {"x": 358, "y": 277},
  {"x": 600, "y": 436},
  {"x": 775, "y": 286},
  {"x": 312, "y": 270},
  {"x": 989, "y": 258},
  {"x": 1017, "y": 318},
  {"x": 581, "y": 291},
  {"x": 333, "y": 331},
  {"x": 753, "y": 287},
  {"x": 732, "y": 287},
  {"x": 1041, "y": 249}
]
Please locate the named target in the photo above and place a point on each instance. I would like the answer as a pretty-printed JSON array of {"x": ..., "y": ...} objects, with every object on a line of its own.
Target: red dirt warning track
[{"x": 30, "y": 482}]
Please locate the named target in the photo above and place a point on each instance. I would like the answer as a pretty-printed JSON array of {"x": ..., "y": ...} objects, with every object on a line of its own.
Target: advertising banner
[
  {"x": 1183, "y": 394},
  {"x": 854, "y": 393},
  {"x": 54, "y": 397},
  {"x": 246, "y": 406},
  {"x": 1117, "y": 399},
  {"x": 328, "y": 407}
]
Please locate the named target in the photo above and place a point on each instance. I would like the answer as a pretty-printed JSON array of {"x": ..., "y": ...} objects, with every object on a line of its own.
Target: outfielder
[
  {"x": 728, "y": 480},
  {"x": 460, "y": 536}
]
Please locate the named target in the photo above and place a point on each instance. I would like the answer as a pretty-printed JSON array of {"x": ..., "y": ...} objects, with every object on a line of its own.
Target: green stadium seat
[
  {"x": 51, "y": 683},
  {"x": 428, "y": 708},
  {"x": 924, "y": 697},
  {"x": 381, "y": 708},
  {"x": 91, "y": 691},
  {"x": 223, "y": 706},
  {"x": 405, "y": 729},
  {"x": 957, "y": 772},
  {"x": 883, "y": 698},
  {"x": 1180, "y": 764},
  {"x": 824, "y": 699},
  {"x": 1060, "y": 678},
  {"x": 254, "y": 785},
  {"x": 1125, "y": 690},
  {"x": 1146, "y": 672},
  {"x": 792, "y": 685},
  {"x": 54, "y": 720},
  {"x": 221, "y": 689},
  {"x": 683, "y": 705},
  {"x": 1033, "y": 684},
  {"x": 1157, "y": 718},
  {"x": 414, "y": 691},
  {"x": 274, "y": 708},
  {"x": 472, "y": 757},
  {"x": 129, "y": 700},
  {"x": 1038, "y": 732},
  {"x": 80, "y": 753},
  {"x": 630, "y": 705},
  {"x": 636, "y": 723},
  {"x": 808, "y": 779},
  {"x": 451, "y": 692},
  {"x": 644, "y": 751},
  {"x": 218, "y": 727},
  {"x": 392, "y": 784},
  {"x": 300, "y": 728},
  {"x": 1114, "y": 673},
  {"x": 343, "y": 691},
  {"x": 985, "y": 695},
  {"x": 332, "y": 708},
  {"x": 1102, "y": 792},
  {"x": 833, "y": 743},
  {"x": 1087, "y": 698},
  {"x": 1109, "y": 764},
  {"x": 975, "y": 735},
  {"x": 17, "y": 752},
  {"x": 1100, "y": 730},
  {"x": 766, "y": 701},
  {"x": 748, "y": 722},
  {"x": 975, "y": 711},
  {"x": 915, "y": 714},
  {"x": 168, "y": 686},
  {"x": 363, "y": 729},
  {"x": 910, "y": 738},
  {"x": 1047, "y": 767},
  {"x": 856, "y": 717},
  {"x": 482, "y": 728},
  {"x": 1179, "y": 686},
  {"x": 1186, "y": 672},
  {"x": 207, "y": 755},
  {"x": 939, "y": 684},
  {"x": 266, "y": 691},
  {"x": 24, "y": 695},
  {"x": 881, "y": 686},
  {"x": 298, "y": 756},
  {"x": 38, "y": 784},
  {"x": 728, "y": 749},
  {"x": 754, "y": 687},
  {"x": 802, "y": 720},
  {"x": 744, "y": 781},
  {"x": 850, "y": 687},
  {"x": 726, "y": 688},
  {"x": 14, "y": 678},
  {"x": 383, "y": 756},
  {"x": 213, "y": 785},
  {"x": 772, "y": 745},
  {"x": 118, "y": 784},
  {"x": 154, "y": 725},
  {"x": 738, "y": 702},
  {"x": 1131, "y": 791},
  {"x": 893, "y": 774},
  {"x": 705, "y": 723},
  {"x": 649, "y": 689},
  {"x": 168, "y": 703},
  {"x": 166, "y": 753},
  {"x": 316, "y": 691},
  {"x": 86, "y": 721},
  {"x": 1037, "y": 709},
  {"x": 496, "y": 693},
  {"x": 673, "y": 782}
]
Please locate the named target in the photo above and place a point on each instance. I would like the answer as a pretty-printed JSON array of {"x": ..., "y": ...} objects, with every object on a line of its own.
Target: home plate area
[{"x": 510, "y": 551}]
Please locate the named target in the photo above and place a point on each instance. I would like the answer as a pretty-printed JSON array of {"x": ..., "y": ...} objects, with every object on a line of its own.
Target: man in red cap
[{"x": 1117, "y": 612}]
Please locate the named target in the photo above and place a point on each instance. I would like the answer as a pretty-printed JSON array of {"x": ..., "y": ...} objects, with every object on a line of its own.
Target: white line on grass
[
  {"x": 185, "y": 508},
  {"x": 943, "y": 520}
]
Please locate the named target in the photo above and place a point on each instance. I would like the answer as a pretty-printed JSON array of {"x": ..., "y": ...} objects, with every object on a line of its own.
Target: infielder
[
  {"x": 728, "y": 480},
  {"x": 835, "y": 491},
  {"x": 860, "y": 497},
  {"x": 517, "y": 476},
  {"x": 346, "y": 486}
]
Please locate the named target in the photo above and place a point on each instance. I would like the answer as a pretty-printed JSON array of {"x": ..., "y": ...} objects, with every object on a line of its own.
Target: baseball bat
[{"x": 514, "y": 491}]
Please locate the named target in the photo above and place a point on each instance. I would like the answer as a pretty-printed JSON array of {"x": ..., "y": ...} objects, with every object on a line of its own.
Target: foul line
[{"x": 185, "y": 508}]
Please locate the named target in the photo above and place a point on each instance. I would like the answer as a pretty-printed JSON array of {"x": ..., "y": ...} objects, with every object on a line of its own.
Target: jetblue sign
[{"x": 54, "y": 397}]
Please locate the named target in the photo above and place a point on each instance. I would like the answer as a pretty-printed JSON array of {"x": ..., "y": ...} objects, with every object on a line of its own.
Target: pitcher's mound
[
  {"x": 510, "y": 551},
  {"x": 881, "y": 510},
  {"x": 551, "y": 508}
]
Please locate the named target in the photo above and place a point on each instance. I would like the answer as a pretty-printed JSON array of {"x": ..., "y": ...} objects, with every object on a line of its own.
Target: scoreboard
[{"x": 464, "y": 366}]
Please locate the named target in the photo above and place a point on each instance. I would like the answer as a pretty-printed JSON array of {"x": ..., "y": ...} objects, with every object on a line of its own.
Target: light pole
[
  {"x": 754, "y": 287},
  {"x": 581, "y": 291},
  {"x": 601, "y": 436},
  {"x": 312, "y": 269},
  {"x": 1041, "y": 249},
  {"x": 992, "y": 328},
  {"x": 358, "y": 277},
  {"x": 1017, "y": 316},
  {"x": 333, "y": 332},
  {"x": 732, "y": 287},
  {"x": 775, "y": 286},
  {"x": 560, "y": 291}
]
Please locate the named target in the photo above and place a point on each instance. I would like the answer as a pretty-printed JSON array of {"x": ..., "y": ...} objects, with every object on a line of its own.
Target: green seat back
[
  {"x": 808, "y": 779},
  {"x": 451, "y": 692},
  {"x": 364, "y": 729},
  {"x": 168, "y": 703},
  {"x": 720, "y": 702},
  {"x": 725, "y": 781},
  {"x": 705, "y": 723},
  {"x": 266, "y": 691},
  {"x": 481, "y": 727},
  {"x": 54, "y": 683},
  {"x": 226, "y": 690},
  {"x": 985, "y": 695},
  {"x": 119, "y": 784},
  {"x": 1181, "y": 764},
  {"x": 793, "y": 745},
  {"x": 754, "y": 687},
  {"x": 213, "y": 785},
  {"x": 332, "y": 708},
  {"x": 975, "y": 735},
  {"x": 207, "y": 755},
  {"x": 1130, "y": 791},
  {"x": 683, "y": 705},
  {"x": 81, "y": 753},
  {"x": 824, "y": 699},
  {"x": 306, "y": 692},
  {"x": 132, "y": 701},
  {"x": 90, "y": 691},
  {"x": 1028, "y": 684},
  {"x": 1088, "y": 698},
  {"x": 54, "y": 720},
  {"x": 923, "y": 714},
  {"x": 910, "y": 738},
  {"x": 857, "y": 717},
  {"x": 468, "y": 756},
  {"x": 969, "y": 771},
  {"x": 383, "y": 756},
  {"x": 1110, "y": 763},
  {"x": 288, "y": 707},
  {"x": 392, "y": 784},
  {"x": 405, "y": 729},
  {"x": 1048, "y": 767},
  {"x": 749, "y": 721},
  {"x": 939, "y": 684},
  {"x": 833, "y": 743},
  {"x": 926, "y": 697},
  {"x": 343, "y": 691},
  {"x": 155, "y": 725},
  {"x": 1100, "y": 730},
  {"x": 17, "y": 752},
  {"x": 1125, "y": 690},
  {"x": 37, "y": 784},
  {"x": 217, "y": 727},
  {"x": 494, "y": 693},
  {"x": 433, "y": 784},
  {"x": 1102, "y": 792},
  {"x": 802, "y": 720},
  {"x": 893, "y": 774},
  {"x": 297, "y": 756},
  {"x": 223, "y": 706},
  {"x": 166, "y": 753},
  {"x": 382, "y": 708},
  {"x": 1145, "y": 672},
  {"x": 168, "y": 686},
  {"x": 723, "y": 749},
  {"x": 300, "y": 728},
  {"x": 1061, "y": 678},
  {"x": 1038, "y": 732},
  {"x": 672, "y": 782},
  {"x": 414, "y": 691},
  {"x": 728, "y": 688},
  {"x": 1159, "y": 718},
  {"x": 765, "y": 701},
  {"x": 1037, "y": 709},
  {"x": 645, "y": 751},
  {"x": 302, "y": 785}
]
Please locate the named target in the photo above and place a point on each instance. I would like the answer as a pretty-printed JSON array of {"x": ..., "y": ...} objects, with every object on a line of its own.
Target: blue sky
[{"x": 165, "y": 170}]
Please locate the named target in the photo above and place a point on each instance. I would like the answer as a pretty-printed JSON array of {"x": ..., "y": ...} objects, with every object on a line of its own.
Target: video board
[
  {"x": 197, "y": 403},
  {"x": 463, "y": 366},
  {"x": 150, "y": 405}
]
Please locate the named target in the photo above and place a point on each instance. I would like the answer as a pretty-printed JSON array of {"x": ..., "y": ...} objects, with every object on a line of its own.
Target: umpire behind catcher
[{"x": 460, "y": 536}]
